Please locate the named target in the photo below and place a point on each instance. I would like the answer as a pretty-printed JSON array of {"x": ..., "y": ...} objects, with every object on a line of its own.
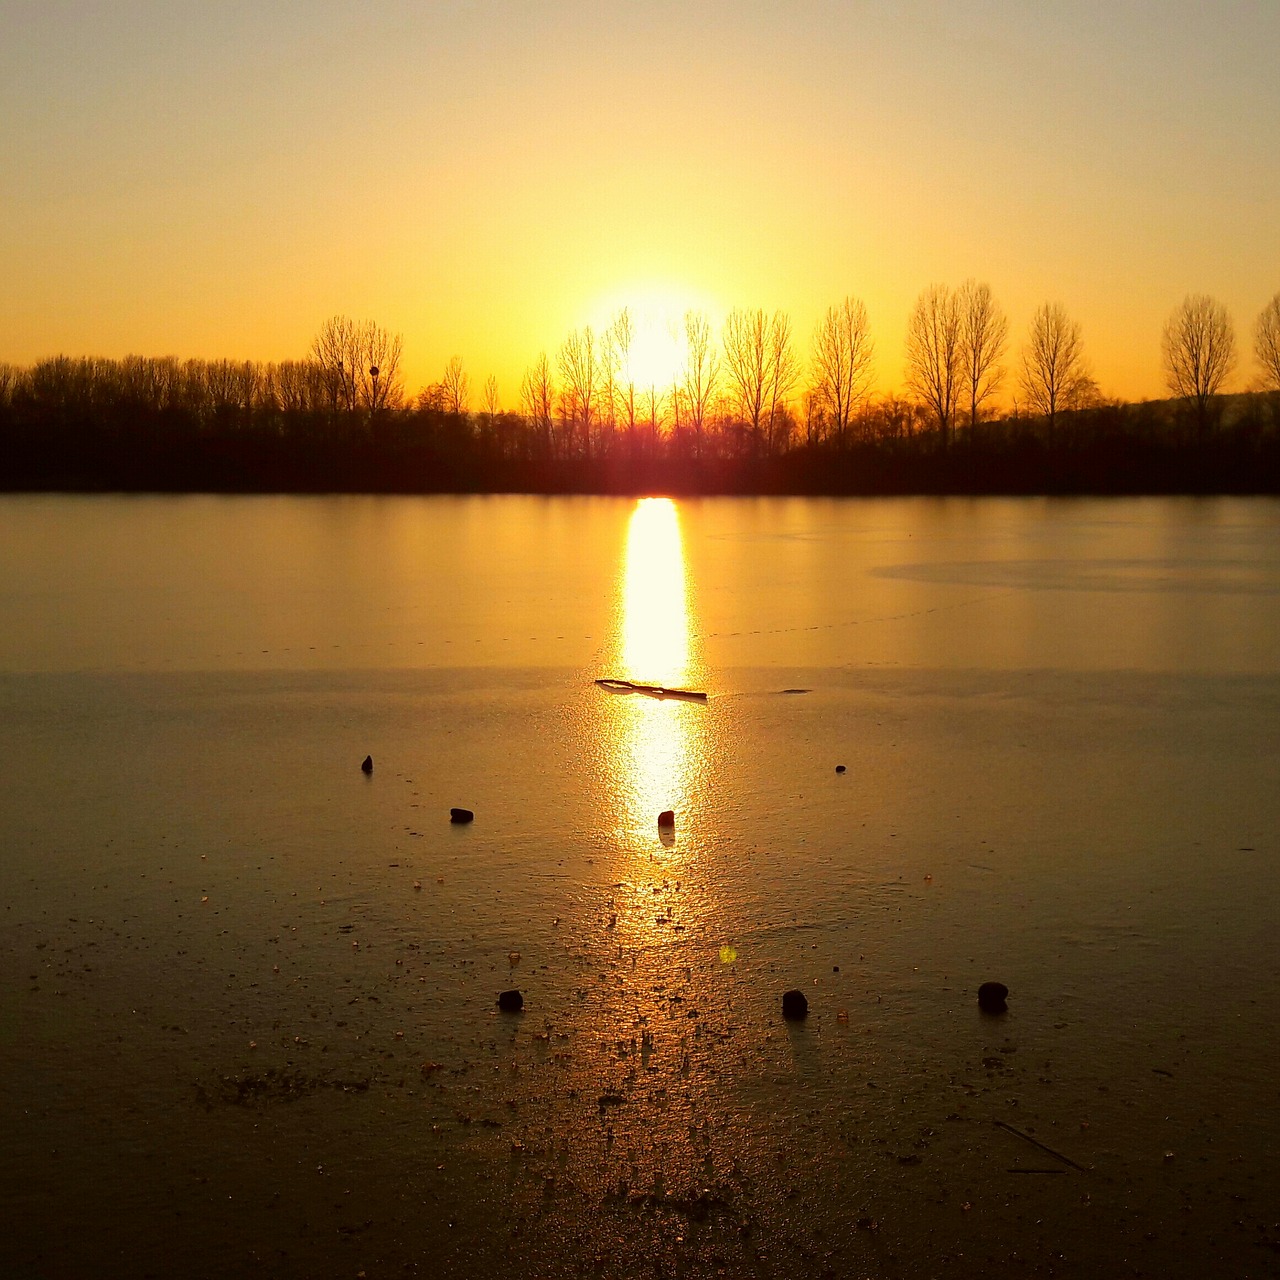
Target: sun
[{"x": 655, "y": 357}]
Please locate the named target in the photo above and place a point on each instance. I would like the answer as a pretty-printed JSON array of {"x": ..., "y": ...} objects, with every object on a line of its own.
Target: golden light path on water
[{"x": 655, "y": 747}]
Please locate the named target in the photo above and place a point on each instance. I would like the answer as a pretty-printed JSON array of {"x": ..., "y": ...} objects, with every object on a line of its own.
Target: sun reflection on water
[
  {"x": 654, "y": 607},
  {"x": 654, "y": 747}
]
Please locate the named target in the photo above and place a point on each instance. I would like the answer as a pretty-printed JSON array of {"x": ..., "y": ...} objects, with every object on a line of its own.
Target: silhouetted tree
[
  {"x": 490, "y": 407},
  {"x": 812, "y": 417},
  {"x": 745, "y": 358},
  {"x": 621, "y": 337},
  {"x": 608, "y": 391},
  {"x": 348, "y": 354},
  {"x": 762, "y": 370},
  {"x": 1055, "y": 377},
  {"x": 842, "y": 367},
  {"x": 298, "y": 386},
  {"x": 432, "y": 399},
  {"x": 1199, "y": 350},
  {"x": 654, "y": 408},
  {"x": 336, "y": 350},
  {"x": 984, "y": 333},
  {"x": 580, "y": 385},
  {"x": 896, "y": 417},
  {"x": 457, "y": 387},
  {"x": 783, "y": 372},
  {"x": 538, "y": 398},
  {"x": 935, "y": 356},
  {"x": 1266, "y": 343},
  {"x": 378, "y": 382},
  {"x": 701, "y": 373}
]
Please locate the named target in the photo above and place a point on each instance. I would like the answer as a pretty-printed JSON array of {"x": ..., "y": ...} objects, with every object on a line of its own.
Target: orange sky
[{"x": 191, "y": 179}]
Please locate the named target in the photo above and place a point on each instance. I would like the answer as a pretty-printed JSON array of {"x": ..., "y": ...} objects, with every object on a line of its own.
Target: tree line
[{"x": 745, "y": 409}]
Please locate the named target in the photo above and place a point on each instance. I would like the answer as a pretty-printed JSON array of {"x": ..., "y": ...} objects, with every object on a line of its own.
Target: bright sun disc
[{"x": 655, "y": 358}]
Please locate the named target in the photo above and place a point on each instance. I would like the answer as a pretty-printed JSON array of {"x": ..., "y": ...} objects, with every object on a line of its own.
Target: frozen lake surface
[{"x": 248, "y": 1017}]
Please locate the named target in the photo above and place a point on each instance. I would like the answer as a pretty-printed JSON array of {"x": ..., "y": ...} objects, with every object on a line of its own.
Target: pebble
[
  {"x": 794, "y": 1005},
  {"x": 991, "y": 997}
]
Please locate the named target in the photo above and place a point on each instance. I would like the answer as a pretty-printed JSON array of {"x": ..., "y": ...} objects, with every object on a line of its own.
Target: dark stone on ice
[
  {"x": 461, "y": 815},
  {"x": 510, "y": 1002},
  {"x": 667, "y": 818},
  {"x": 794, "y": 1005},
  {"x": 839, "y": 768},
  {"x": 991, "y": 997},
  {"x": 368, "y": 764}
]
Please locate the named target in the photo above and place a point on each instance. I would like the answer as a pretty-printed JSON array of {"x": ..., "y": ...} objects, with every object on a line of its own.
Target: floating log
[{"x": 611, "y": 685}]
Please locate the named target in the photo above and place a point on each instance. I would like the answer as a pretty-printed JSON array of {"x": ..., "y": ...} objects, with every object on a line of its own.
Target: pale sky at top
[{"x": 216, "y": 179}]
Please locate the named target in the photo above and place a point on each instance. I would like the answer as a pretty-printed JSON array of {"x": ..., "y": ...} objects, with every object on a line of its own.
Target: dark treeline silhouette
[{"x": 731, "y": 422}]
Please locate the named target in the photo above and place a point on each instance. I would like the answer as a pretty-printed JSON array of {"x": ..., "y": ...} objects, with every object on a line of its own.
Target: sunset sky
[{"x": 216, "y": 179}]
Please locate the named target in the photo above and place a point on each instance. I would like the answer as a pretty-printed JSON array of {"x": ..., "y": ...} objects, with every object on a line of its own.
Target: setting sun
[
  {"x": 656, "y": 355},
  {"x": 652, "y": 314}
]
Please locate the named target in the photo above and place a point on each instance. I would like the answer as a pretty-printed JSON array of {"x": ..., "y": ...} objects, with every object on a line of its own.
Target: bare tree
[
  {"x": 335, "y": 350},
  {"x": 457, "y": 387},
  {"x": 654, "y": 405},
  {"x": 1266, "y": 343},
  {"x": 378, "y": 384},
  {"x": 935, "y": 355},
  {"x": 224, "y": 386},
  {"x": 431, "y": 399},
  {"x": 609, "y": 361},
  {"x": 538, "y": 398},
  {"x": 895, "y": 417},
  {"x": 580, "y": 384},
  {"x": 984, "y": 334},
  {"x": 1055, "y": 377},
  {"x": 842, "y": 365},
  {"x": 622, "y": 336},
  {"x": 782, "y": 373},
  {"x": 701, "y": 372},
  {"x": 360, "y": 364},
  {"x": 814, "y": 421},
  {"x": 746, "y": 360},
  {"x": 762, "y": 370},
  {"x": 1199, "y": 350},
  {"x": 298, "y": 386}
]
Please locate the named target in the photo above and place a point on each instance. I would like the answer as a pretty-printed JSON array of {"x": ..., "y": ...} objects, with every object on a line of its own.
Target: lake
[{"x": 248, "y": 1017}]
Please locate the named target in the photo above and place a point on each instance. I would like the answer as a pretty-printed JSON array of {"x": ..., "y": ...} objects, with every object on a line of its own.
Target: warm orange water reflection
[{"x": 653, "y": 749}]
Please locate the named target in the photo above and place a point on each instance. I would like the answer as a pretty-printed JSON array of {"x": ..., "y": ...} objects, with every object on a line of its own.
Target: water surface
[{"x": 248, "y": 1014}]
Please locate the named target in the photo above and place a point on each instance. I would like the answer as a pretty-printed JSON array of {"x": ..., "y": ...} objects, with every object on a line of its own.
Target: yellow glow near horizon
[{"x": 172, "y": 202}]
